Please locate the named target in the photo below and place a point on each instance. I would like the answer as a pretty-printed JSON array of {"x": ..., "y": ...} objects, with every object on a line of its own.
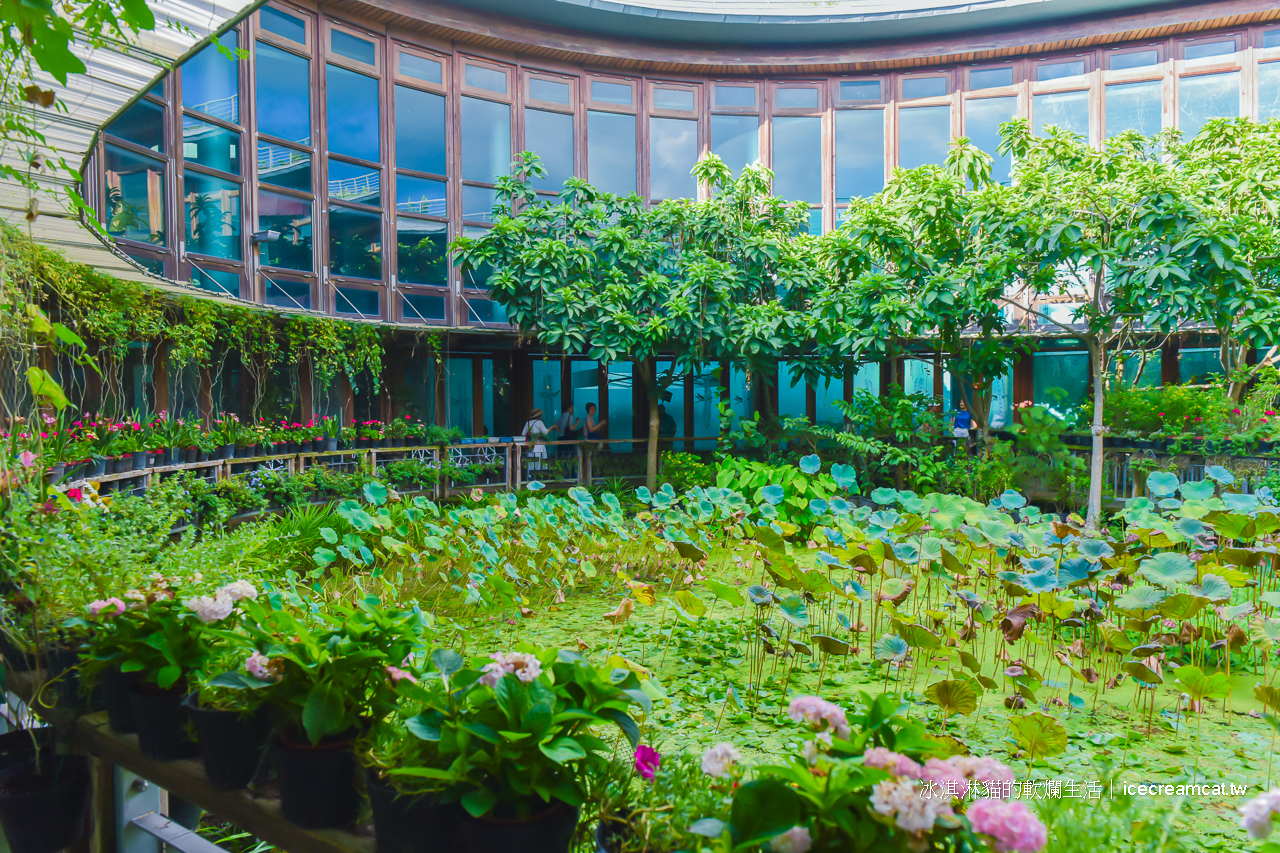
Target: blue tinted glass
[
  {"x": 736, "y": 140},
  {"x": 735, "y": 96},
  {"x": 1209, "y": 49},
  {"x": 1205, "y": 97},
  {"x": 1058, "y": 70},
  {"x": 284, "y": 167},
  {"x": 477, "y": 279},
  {"x": 673, "y": 99},
  {"x": 550, "y": 136},
  {"x": 477, "y": 203},
  {"x": 486, "y": 140},
  {"x": 420, "y": 131},
  {"x": 212, "y": 215},
  {"x": 284, "y": 94},
  {"x": 211, "y": 81},
  {"x": 422, "y": 307},
  {"x": 221, "y": 282},
  {"x": 420, "y": 195},
  {"x": 552, "y": 91},
  {"x": 982, "y": 120},
  {"x": 1136, "y": 59},
  {"x": 859, "y": 153},
  {"x": 859, "y": 90},
  {"x": 1067, "y": 110},
  {"x": 479, "y": 77},
  {"x": 210, "y": 145},
  {"x": 353, "y": 47},
  {"x": 990, "y": 78},
  {"x": 924, "y": 87},
  {"x": 611, "y": 152},
  {"x": 797, "y": 157},
  {"x": 610, "y": 93},
  {"x": 355, "y": 243},
  {"x": 349, "y": 300},
  {"x": 487, "y": 312},
  {"x": 135, "y": 196},
  {"x": 348, "y": 182},
  {"x": 1271, "y": 38},
  {"x": 421, "y": 68},
  {"x": 673, "y": 149},
  {"x": 353, "y": 118},
  {"x": 796, "y": 99},
  {"x": 923, "y": 135},
  {"x": 151, "y": 265},
  {"x": 283, "y": 24},
  {"x": 142, "y": 124},
  {"x": 420, "y": 252},
  {"x": 288, "y": 294},
  {"x": 1269, "y": 89},
  {"x": 1135, "y": 106},
  {"x": 292, "y": 218}
]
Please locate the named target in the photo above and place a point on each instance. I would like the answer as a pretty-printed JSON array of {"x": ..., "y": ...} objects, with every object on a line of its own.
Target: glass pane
[
  {"x": 348, "y": 182},
  {"x": 284, "y": 167},
  {"x": 461, "y": 387},
  {"x": 421, "y": 68},
  {"x": 292, "y": 218},
  {"x": 1068, "y": 110},
  {"x": 673, "y": 99},
  {"x": 479, "y": 77},
  {"x": 737, "y": 96},
  {"x": 1060, "y": 380},
  {"x": 420, "y": 195},
  {"x": 706, "y": 400},
  {"x": 982, "y": 119},
  {"x": 477, "y": 203},
  {"x": 673, "y": 149},
  {"x": 355, "y": 243},
  {"x": 792, "y": 399},
  {"x": 210, "y": 145},
  {"x": 422, "y": 307},
  {"x": 610, "y": 93},
  {"x": 142, "y": 124},
  {"x": 620, "y": 409},
  {"x": 420, "y": 252},
  {"x": 923, "y": 135},
  {"x": 1208, "y": 50},
  {"x": 1268, "y": 90},
  {"x": 859, "y": 153},
  {"x": 671, "y": 409},
  {"x": 211, "y": 81},
  {"x": 611, "y": 151},
  {"x": 1136, "y": 59},
  {"x": 486, "y": 140},
  {"x": 924, "y": 87},
  {"x": 353, "y": 47},
  {"x": 1059, "y": 70},
  {"x": 1271, "y": 38},
  {"x": 212, "y": 215},
  {"x": 584, "y": 383},
  {"x": 546, "y": 390},
  {"x": 859, "y": 90},
  {"x": 284, "y": 94},
  {"x": 486, "y": 312},
  {"x": 796, "y": 99},
  {"x": 283, "y": 24},
  {"x": 349, "y": 300},
  {"x": 736, "y": 140},
  {"x": 1205, "y": 97},
  {"x": 353, "y": 114},
  {"x": 1135, "y": 106},
  {"x": 827, "y": 393},
  {"x": 554, "y": 91},
  {"x": 420, "y": 131},
  {"x": 477, "y": 279},
  {"x": 797, "y": 158},
  {"x": 990, "y": 78},
  {"x": 135, "y": 196},
  {"x": 221, "y": 282},
  {"x": 288, "y": 294},
  {"x": 550, "y": 136},
  {"x": 1199, "y": 365},
  {"x": 151, "y": 265}
]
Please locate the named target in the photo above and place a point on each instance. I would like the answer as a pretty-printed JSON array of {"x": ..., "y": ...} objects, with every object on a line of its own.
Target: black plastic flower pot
[
  {"x": 317, "y": 783},
  {"x": 18, "y": 660},
  {"x": 97, "y": 466},
  {"x": 140, "y": 460},
  {"x": 202, "y": 456},
  {"x": 550, "y": 831},
  {"x": 18, "y": 749},
  {"x": 116, "y": 695},
  {"x": 193, "y": 453},
  {"x": 397, "y": 442},
  {"x": 330, "y": 445},
  {"x": 162, "y": 729},
  {"x": 46, "y": 811},
  {"x": 63, "y": 665},
  {"x": 408, "y": 824},
  {"x": 386, "y": 442},
  {"x": 55, "y": 473},
  {"x": 232, "y": 744}
]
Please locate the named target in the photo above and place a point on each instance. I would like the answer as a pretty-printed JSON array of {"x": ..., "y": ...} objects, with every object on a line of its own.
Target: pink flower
[
  {"x": 794, "y": 840},
  {"x": 1256, "y": 815},
  {"x": 397, "y": 675},
  {"x": 259, "y": 666},
  {"x": 948, "y": 778},
  {"x": 97, "y": 607},
  {"x": 522, "y": 665},
  {"x": 718, "y": 759},
  {"x": 1162, "y": 414},
  {"x": 75, "y": 495},
  {"x": 211, "y": 608},
  {"x": 1269, "y": 413},
  {"x": 1235, "y": 411},
  {"x": 647, "y": 761},
  {"x": 1011, "y": 825},
  {"x": 885, "y": 759},
  {"x": 912, "y": 810},
  {"x": 819, "y": 714},
  {"x": 27, "y": 458}
]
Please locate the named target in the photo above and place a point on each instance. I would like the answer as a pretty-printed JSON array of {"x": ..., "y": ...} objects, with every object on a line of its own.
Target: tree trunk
[
  {"x": 1093, "y": 522},
  {"x": 647, "y": 370}
]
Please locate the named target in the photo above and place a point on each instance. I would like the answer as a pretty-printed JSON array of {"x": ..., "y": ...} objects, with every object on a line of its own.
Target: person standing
[
  {"x": 567, "y": 427},
  {"x": 592, "y": 429},
  {"x": 963, "y": 423},
  {"x": 534, "y": 431}
]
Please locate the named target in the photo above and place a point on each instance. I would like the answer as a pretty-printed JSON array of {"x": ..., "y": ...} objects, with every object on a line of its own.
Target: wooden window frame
[
  {"x": 1015, "y": 66},
  {"x": 400, "y": 78},
  {"x": 309, "y": 22},
  {"x": 590, "y": 103},
  {"x": 197, "y": 265},
  {"x": 1256, "y": 40},
  {"x": 1144, "y": 72},
  {"x": 756, "y": 85},
  {"x": 527, "y": 76},
  {"x": 654, "y": 110},
  {"x": 422, "y": 290},
  {"x": 359, "y": 284},
  {"x": 464, "y": 59},
  {"x": 820, "y": 86},
  {"x": 261, "y": 284},
  {"x": 1228, "y": 62},
  {"x": 377, "y": 69},
  {"x": 838, "y": 102},
  {"x": 1062, "y": 84},
  {"x": 899, "y": 86}
]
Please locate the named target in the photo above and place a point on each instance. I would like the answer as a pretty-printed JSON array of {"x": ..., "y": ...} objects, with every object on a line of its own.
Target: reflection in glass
[
  {"x": 486, "y": 312},
  {"x": 1205, "y": 97},
  {"x": 292, "y": 218},
  {"x": 284, "y": 94},
  {"x": 150, "y": 264},
  {"x": 135, "y": 196},
  {"x": 420, "y": 195},
  {"x": 211, "y": 213},
  {"x": 859, "y": 90},
  {"x": 422, "y": 307},
  {"x": 421, "y": 68},
  {"x": 420, "y": 130},
  {"x": 479, "y": 77},
  {"x": 355, "y": 242},
  {"x": 477, "y": 279},
  {"x": 924, "y": 87},
  {"x": 610, "y": 93},
  {"x": 142, "y": 124},
  {"x": 348, "y": 182},
  {"x": 353, "y": 47},
  {"x": 990, "y": 78},
  {"x": 673, "y": 149},
  {"x": 350, "y": 300},
  {"x": 620, "y": 399},
  {"x": 1135, "y": 106},
  {"x": 1067, "y": 110},
  {"x": 420, "y": 252},
  {"x": 288, "y": 294},
  {"x": 352, "y": 101},
  {"x": 211, "y": 81},
  {"x": 486, "y": 140},
  {"x": 735, "y": 96},
  {"x": 550, "y": 136},
  {"x": 477, "y": 203},
  {"x": 284, "y": 167},
  {"x": 210, "y": 145},
  {"x": 923, "y": 135},
  {"x": 797, "y": 158},
  {"x": 1271, "y": 38},
  {"x": 221, "y": 282},
  {"x": 859, "y": 153},
  {"x": 552, "y": 91},
  {"x": 1136, "y": 59},
  {"x": 795, "y": 99},
  {"x": 283, "y": 24},
  {"x": 1208, "y": 50},
  {"x": 1059, "y": 70},
  {"x": 982, "y": 120},
  {"x": 673, "y": 99},
  {"x": 611, "y": 151},
  {"x": 1268, "y": 89},
  {"x": 736, "y": 140}
]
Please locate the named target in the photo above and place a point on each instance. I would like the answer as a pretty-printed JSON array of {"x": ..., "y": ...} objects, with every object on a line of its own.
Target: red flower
[{"x": 75, "y": 495}]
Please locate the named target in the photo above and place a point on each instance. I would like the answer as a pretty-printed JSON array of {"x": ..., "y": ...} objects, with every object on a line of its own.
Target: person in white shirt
[{"x": 534, "y": 430}]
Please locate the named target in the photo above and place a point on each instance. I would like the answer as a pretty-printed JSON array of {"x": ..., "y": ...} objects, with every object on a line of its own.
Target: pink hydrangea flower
[
  {"x": 718, "y": 759},
  {"x": 524, "y": 666},
  {"x": 981, "y": 768},
  {"x": 1010, "y": 824},
  {"x": 794, "y": 840},
  {"x": 96, "y": 608},
  {"x": 259, "y": 666},
  {"x": 948, "y": 778},
  {"x": 1256, "y": 815},
  {"x": 237, "y": 590},
  {"x": 647, "y": 761},
  {"x": 911, "y": 811},
  {"x": 885, "y": 759},
  {"x": 210, "y": 608},
  {"x": 819, "y": 714},
  {"x": 397, "y": 675}
]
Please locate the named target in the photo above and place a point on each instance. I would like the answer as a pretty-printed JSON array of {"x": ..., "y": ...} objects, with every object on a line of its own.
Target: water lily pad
[
  {"x": 1011, "y": 499},
  {"x": 953, "y": 697},
  {"x": 1168, "y": 569},
  {"x": 846, "y": 476},
  {"x": 773, "y": 494},
  {"x": 1162, "y": 484},
  {"x": 1219, "y": 475},
  {"x": 810, "y": 464}
]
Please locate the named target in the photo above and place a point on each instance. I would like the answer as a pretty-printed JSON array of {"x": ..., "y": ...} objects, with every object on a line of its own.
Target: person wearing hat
[{"x": 533, "y": 430}]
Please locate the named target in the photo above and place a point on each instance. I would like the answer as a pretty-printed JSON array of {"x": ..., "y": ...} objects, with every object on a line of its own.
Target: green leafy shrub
[{"x": 684, "y": 471}]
